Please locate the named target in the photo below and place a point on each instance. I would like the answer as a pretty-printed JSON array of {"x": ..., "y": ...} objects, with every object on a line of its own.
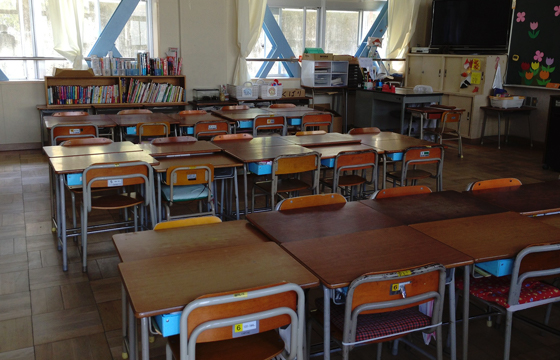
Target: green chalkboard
[{"x": 534, "y": 49}]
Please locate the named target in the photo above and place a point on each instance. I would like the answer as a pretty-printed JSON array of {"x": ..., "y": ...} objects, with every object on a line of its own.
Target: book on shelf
[{"x": 76, "y": 94}]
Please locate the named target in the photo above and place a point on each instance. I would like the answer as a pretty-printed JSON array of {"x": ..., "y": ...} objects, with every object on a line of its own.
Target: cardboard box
[
  {"x": 324, "y": 57},
  {"x": 343, "y": 58},
  {"x": 337, "y": 118},
  {"x": 58, "y": 72},
  {"x": 288, "y": 93}
]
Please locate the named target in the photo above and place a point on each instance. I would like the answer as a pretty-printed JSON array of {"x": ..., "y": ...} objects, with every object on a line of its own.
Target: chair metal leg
[
  {"x": 379, "y": 350},
  {"x": 395, "y": 349},
  {"x": 507, "y": 335},
  {"x": 84, "y": 239}
]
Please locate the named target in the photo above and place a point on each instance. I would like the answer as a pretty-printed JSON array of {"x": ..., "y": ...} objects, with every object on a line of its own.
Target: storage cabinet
[
  {"x": 324, "y": 73},
  {"x": 444, "y": 73}
]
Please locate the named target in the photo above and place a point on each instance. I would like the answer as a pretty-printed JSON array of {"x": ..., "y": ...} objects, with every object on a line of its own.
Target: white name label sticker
[
  {"x": 212, "y": 127},
  {"x": 191, "y": 176},
  {"x": 425, "y": 153},
  {"x": 244, "y": 329},
  {"x": 74, "y": 131},
  {"x": 115, "y": 182},
  {"x": 270, "y": 121}
]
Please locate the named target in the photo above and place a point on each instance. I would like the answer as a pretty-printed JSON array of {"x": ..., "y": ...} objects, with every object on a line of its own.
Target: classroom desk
[
  {"x": 293, "y": 115},
  {"x": 319, "y": 221},
  {"x": 434, "y": 206},
  {"x": 217, "y": 159},
  {"x": 529, "y": 199},
  {"x": 77, "y": 164},
  {"x": 187, "y": 122},
  {"x": 131, "y": 120},
  {"x": 366, "y": 99},
  {"x": 201, "y": 147},
  {"x": 204, "y": 272},
  {"x": 486, "y": 238},
  {"x": 250, "y": 154},
  {"x": 116, "y": 147},
  {"x": 338, "y": 260},
  {"x": 499, "y": 112},
  {"x": 236, "y": 116},
  {"x": 101, "y": 121},
  {"x": 329, "y": 152},
  {"x": 322, "y": 140},
  {"x": 263, "y": 141}
]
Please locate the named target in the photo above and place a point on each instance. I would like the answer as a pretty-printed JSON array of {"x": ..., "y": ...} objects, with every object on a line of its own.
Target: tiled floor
[{"x": 48, "y": 314}]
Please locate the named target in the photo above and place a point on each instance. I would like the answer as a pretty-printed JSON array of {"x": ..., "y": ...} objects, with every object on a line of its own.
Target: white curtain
[
  {"x": 400, "y": 28},
  {"x": 66, "y": 21},
  {"x": 250, "y": 16}
]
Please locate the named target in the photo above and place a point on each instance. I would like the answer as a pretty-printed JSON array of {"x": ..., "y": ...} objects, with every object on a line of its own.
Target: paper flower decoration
[
  {"x": 538, "y": 56},
  {"x": 521, "y": 16},
  {"x": 533, "y": 34},
  {"x": 557, "y": 11}
]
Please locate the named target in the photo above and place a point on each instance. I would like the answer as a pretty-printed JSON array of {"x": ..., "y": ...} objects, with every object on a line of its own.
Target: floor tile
[
  {"x": 53, "y": 257},
  {"x": 16, "y": 334},
  {"x": 14, "y": 282},
  {"x": 21, "y": 354},
  {"x": 12, "y": 231},
  {"x": 66, "y": 324},
  {"x": 111, "y": 314},
  {"x": 46, "y": 300},
  {"x": 40, "y": 242},
  {"x": 53, "y": 275},
  {"x": 38, "y": 228},
  {"x": 106, "y": 289},
  {"x": 34, "y": 259},
  {"x": 13, "y": 219},
  {"x": 15, "y": 305},
  {"x": 77, "y": 295},
  {"x": 108, "y": 267},
  {"x": 14, "y": 262},
  {"x": 91, "y": 347},
  {"x": 37, "y": 216}
]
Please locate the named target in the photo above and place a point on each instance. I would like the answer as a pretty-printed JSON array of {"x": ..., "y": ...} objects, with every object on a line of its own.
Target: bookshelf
[{"x": 110, "y": 91}]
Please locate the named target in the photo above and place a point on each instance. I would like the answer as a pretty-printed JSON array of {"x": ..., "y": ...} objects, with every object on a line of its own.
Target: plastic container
[
  {"x": 261, "y": 168},
  {"x": 206, "y": 94},
  {"x": 169, "y": 324},
  {"x": 497, "y": 267},
  {"x": 395, "y": 156},
  {"x": 270, "y": 92},
  {"x": 248, "y": 91},
  {"x": 510, "y": 102}
]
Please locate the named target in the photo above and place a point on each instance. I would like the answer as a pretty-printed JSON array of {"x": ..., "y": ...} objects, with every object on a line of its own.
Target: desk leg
[
  {"x": 237, "y": 192},
  {"x": 499, "y": 128},
  {"x": 452, "y": 317},
  {"x": 345, "y": 128},
  {"x": 159, "y": 217},
  {"x": 327, "y": 323},
  {"x": 132, "y": 343},
  {"x": 245, "y": 169},
  {"x": 529, "y": 125},
  {"x": 466, "y": 282},
  {"x": 403, "y": 110},
  {"x": 62, "y": 223},
  {"x": 483, "y": 128},
  {"x": 508, "y": 123},
  {"x": 422, "y": 126},
  {"x": 145, "y": 338},
  {"x": 384, "y": 185},
  {"x": 124, "y": 322}
]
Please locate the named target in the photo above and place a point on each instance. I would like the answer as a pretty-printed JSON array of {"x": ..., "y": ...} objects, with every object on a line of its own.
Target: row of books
[
  {"x": 151, "y": 92},
  {"x": 144, "y": 65},
  {"x": 74, "y": 94}
]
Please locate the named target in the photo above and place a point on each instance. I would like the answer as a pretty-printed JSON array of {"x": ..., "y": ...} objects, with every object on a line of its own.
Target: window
[
  {"x": 344, "y": 33},
  {"x": 25, "y": 31}
]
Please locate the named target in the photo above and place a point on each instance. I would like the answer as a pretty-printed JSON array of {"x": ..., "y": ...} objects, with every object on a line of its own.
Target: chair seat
[
  {"x": 120, "y": 201},
  {"x": 346, "y": 180},
  {"x": 496, "y": 289},
  {"x": 185, "y": 192},
  {"x": 410, "y": 174},
  {"x": 284, "y": 185},
  {"x": 371, "y": 326},
  {"x": 264, "y": 345}
]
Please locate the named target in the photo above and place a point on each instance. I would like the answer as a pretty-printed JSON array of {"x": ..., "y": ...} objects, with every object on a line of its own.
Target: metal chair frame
[
  {"x": 272, "y": 123},
  {"x": 428, "y": 160},
  {"x": 313, "y": 119},
  {"x": 75, "y": 131}
]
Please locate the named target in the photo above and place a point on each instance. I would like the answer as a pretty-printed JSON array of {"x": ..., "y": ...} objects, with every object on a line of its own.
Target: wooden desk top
[
  {"x": 166, "y": 284},
  {"x": 338, "y": 260},
  {"x": 400, "y": 145},
  {"x": 218, "y": 160},
  {"x": 290, "y": 113},
  {"x": 490, "y": 237},
  {"x": 528, "y": 199},
  {"x": 116, "y": 147},
  {"x": 134, "y": 119},
  {"x": 180, "y": 148},
  {"x": 435, "y": 206},
  {"x": 262, "y": 141},
  {"x": 403, "y": 92},
  {"x": 372, "y": 139},
  {"x": 151, "y": 244},
  {"x": 69, "y": 164},
  {"x": 328, "y": 152},
  {"x": 191, "y": 120},
  {"x": 249, "y": 153},
  {"x": 99, "y": 120},
  {"x": 236, "y": 115},
  {"x": 320, "y": 140},
  {"x": 319, "y": 221}
]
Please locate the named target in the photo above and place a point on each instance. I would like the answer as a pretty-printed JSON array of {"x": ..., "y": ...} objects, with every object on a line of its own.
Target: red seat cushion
[
  {"x": 372, "y": 326},
  {"x": 496, "y": 289}
]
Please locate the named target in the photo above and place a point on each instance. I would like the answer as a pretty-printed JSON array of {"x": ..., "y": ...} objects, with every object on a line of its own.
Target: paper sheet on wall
[
  {"x": 476, "y": 77},
  {"x": 498, "y": 83}
]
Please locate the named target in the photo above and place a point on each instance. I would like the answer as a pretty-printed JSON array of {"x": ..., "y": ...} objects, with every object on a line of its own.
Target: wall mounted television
[{"x": 465, "y": 26}]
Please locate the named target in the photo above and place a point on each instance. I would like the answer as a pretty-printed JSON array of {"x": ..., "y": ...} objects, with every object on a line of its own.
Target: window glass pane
[
  {"x": 14, "y": 70},
  {"x": 134, "y": 36},
  {"x": 311, "y": 29},
  {"x": 341, "y": 32},
  {"x": 15, "y": 29}
]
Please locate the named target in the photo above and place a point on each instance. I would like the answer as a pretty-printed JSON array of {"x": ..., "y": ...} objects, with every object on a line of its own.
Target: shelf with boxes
[{"x": 321, "y": 73}]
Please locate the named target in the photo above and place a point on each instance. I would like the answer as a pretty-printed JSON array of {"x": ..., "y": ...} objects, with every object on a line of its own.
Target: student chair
[
  {"x": 367, "y": 130},
  {"x": 231, "y": 137},
  {"x": 443, "y": 132},
  {"x": 235, "y": 107},
  {"x": 207, "y": 326},
  {"x": 136, "y": 174},
  {"x": 152, "y": 130},
  {"x": 311, "y": 132},
  {"x": 384, "y": 306},
  {"x": 522, "y": 290},
  {"x": 202, "y": 220},
  {"x": 492, "y": 184},
  {"x": 415, "y": 156},
  {"x": 269, "y": 123},
  {"x": 282, "y": 106},
  {"x": 192, "y": 112},
  {"x": 70, "y": 113},
  {"x": 188, "y": 183},
  {"x": 173, "y": 140},
  {"x": 400, "y": 191},
  {"x": 134, "y": 111},
  {"x": 87, "y": 142},
  {"x": 286, "y": 171},
  {"x": 209, "y": 129},
  {"x": 310, "y": 201},
  {"x": 347, "y": 166},
  {"x": 63, "y": 132},
  {"x": 316, "y": 119}
]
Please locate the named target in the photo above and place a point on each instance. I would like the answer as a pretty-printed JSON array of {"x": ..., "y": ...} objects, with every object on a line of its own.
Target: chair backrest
[
  {"x": 208, "y": 129},
  {"x": 493, "y": 183},
  {"x": 265, "y": 122},
  {"x": 453, "y": 116},
  {"x": 423, "y": 155},
  {"x": 401, "y": 191},
  {"x": 311, "y": 132},
  {"x": 134, "y": 111},
  {"x": 173, "y": 140},
  {"x": 317, "y": 119},
  {"x": 295, "y": 164},
  {"x": 86, "y": 142},
  {"x": 366, "y": 130},
  {"x": 152, "y": 129},
  {"x": 383, "y": 292},
  {"x": 63, "y": 132},
  {"x": 71, "y": 113},
  {"x": 280, "y": 106},
  {"x": 192, "y": 112},
  {"x": 354, "y": 161},
  {"x": 310, "y": 201},
  {"x": 231, "y": 137},
  {"x": 213, "y": 317},
  {"x": 235, "y": 107},
  {"x": 189, "y": 175},
  {"x": 200, "y": 220}
]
